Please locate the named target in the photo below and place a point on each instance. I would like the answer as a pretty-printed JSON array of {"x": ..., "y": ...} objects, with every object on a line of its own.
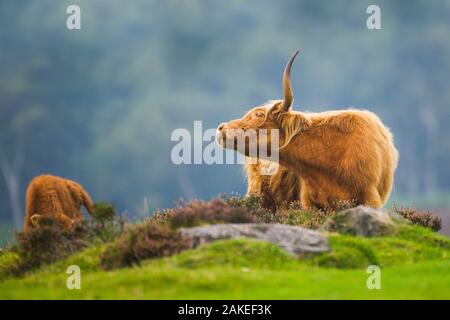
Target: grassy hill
[{"x": 415, "y": 264}]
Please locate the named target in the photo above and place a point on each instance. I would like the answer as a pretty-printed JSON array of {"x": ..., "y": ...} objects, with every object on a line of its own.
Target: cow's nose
[{"x": 221, "y": 126}]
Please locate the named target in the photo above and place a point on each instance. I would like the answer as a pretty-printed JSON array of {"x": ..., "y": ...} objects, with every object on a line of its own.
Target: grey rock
[
  {"x": 364, "y": 221},
  {"x": 295, "y": 240}
]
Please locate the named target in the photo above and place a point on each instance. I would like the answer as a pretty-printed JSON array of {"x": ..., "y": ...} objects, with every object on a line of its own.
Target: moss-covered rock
[
  {"x": 294, "y": 240},
  {"x": 364, "y": 221}
]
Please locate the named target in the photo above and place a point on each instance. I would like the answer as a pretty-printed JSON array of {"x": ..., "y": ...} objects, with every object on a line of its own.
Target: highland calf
[
  {"x": 346, "y": 155},
  {"x": 56, "y": 198},
  {"x": 277, "y": 190}
]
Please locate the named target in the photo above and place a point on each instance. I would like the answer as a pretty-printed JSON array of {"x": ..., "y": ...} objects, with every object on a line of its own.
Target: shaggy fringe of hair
[
  {"x": 291, "y": 123},
  {"x": 291, "y": 127}
]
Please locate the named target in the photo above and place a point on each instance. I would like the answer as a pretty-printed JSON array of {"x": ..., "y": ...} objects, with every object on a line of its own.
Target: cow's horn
[{"x": 288, "y": 97}]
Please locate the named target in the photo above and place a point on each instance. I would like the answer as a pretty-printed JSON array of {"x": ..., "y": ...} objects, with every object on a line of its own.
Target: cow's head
[{"x": 269, "y": 116}]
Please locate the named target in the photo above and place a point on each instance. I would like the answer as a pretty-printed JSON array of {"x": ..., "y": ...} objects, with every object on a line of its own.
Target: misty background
[{"x": 98, "y": 105}]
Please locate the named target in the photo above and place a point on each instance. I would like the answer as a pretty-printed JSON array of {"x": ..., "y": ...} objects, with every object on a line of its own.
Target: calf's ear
[{"x": 35, "y": 219}]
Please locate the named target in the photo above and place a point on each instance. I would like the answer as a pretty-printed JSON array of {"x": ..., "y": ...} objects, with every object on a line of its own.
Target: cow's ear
[{"x": 276, "y": 109}]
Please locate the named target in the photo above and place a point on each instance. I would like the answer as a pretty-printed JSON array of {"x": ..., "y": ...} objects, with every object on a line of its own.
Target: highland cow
[
  {"x": 55, "y": 198},
  {"x": 346, "y": 155}
]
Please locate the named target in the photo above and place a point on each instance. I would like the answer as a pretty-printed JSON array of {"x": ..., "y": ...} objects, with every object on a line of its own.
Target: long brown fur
[
  {"x": 277, "y": 190},
  {"x": 346, "y": 155},
  {"x": 54, "y": 197}
]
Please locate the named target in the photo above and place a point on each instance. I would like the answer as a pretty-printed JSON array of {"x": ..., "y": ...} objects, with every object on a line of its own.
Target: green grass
[
  {"x": 428, "y": 280},
  {"x": 414, "y": 264},
  {"x": 7, "y": 260},
  {"x": 412, "y": 244}
]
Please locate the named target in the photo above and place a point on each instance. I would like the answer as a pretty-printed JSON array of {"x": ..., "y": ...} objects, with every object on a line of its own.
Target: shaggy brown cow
[
  {"x": 57, "y": 198},
  {"x": 346, "y": 155},
  {"x": 276, "y": 190}
]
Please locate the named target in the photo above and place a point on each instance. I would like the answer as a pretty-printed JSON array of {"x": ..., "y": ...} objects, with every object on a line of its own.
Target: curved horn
[{"x": 288, "y": 96}]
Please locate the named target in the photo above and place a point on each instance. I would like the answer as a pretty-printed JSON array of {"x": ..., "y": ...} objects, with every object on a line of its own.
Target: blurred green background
[{"x": 98, "y": 105}]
